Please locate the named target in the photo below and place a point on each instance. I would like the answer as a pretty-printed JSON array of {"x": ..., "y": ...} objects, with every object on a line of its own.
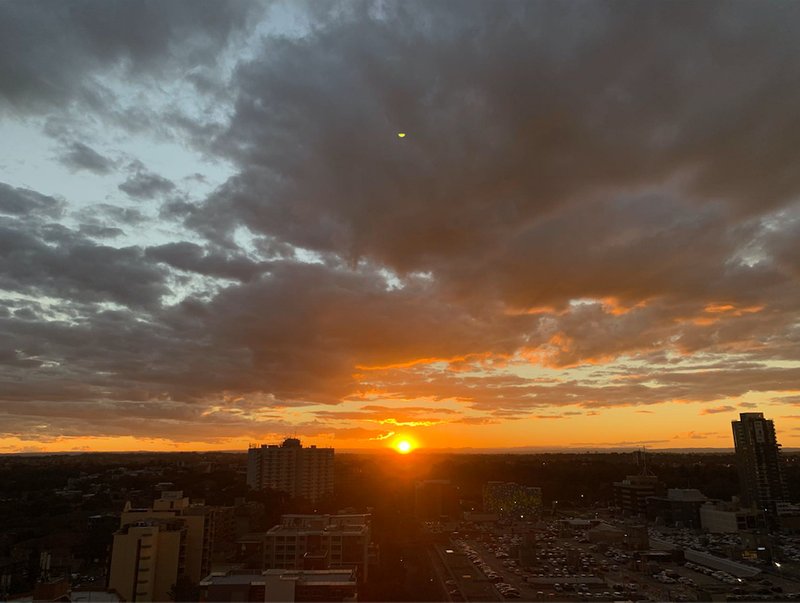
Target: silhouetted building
[
  {"x": 279, "y": 585},
  {"x": 730, "y": 517},
  {"x": 789, "y": 517},
  {"x": 435, "y": 499},
  {"x": 631, "y": 494},
  {"x": 758, "y": 457},
  {"x": 291, "y": 468},
  {"x": 239, "y": 586},
  {"x": 320, "y": 542},
  {"x": 314, "y": 585},
  {"x": 679, "y": 508},
  {"x": 250, "y": 549},
  {"x": 510, "y": 500}
]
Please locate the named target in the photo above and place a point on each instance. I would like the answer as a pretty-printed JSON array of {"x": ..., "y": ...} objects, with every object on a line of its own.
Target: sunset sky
[{"x": 211, "y": 233}]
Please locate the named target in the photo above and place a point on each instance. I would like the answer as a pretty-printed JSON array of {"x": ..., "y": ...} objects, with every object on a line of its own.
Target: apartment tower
[
  {"x": 758, "y": 457},
  {"x": 291, "y": 468}
]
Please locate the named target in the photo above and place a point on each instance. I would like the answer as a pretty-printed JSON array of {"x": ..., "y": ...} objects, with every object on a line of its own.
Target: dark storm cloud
[
  {"x": 579, "y": 183},
  {"x": 193, "y": 258},
  {"x": 24, "y": 202},
  {"x": 46, "y": 259},
  {"x": 144, "y": 184},
  {"x": 100, "y": 232},
  {"x": 513, "y": 111},
  {"x": 79, "y": 156},
  {"x": 309, "y": 327},
  {"x": 105, "y": 212},
  {"x": 52, "y": 53},
  {"x": 290, "y": 335}
]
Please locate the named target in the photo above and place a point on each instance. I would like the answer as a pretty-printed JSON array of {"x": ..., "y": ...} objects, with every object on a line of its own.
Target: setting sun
[{"x": 403, "y": 446}]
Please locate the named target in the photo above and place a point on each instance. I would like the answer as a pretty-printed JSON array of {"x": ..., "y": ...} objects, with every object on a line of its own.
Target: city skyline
[{"x": 463, "y": 225}]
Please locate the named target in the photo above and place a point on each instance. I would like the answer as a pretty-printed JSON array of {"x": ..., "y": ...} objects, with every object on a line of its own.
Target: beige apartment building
[
  {"x": 156, "y": 545},
  {"x": 147, "y": 558}
]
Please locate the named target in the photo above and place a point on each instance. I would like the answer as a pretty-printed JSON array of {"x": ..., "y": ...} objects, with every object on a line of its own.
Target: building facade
[
  {"x": 759, "y": 461},
  {"x": 435, "y": 500},
  {"x": 156, "y": 545},
  {"x": 147, "y": 558},
  {"x": 291, "y": 468},
  {"x": 729, "y": 518},
  {"x": 679, "y": 508},
  {"x": 320, "y": 542},
  {"x": 631, "y": 494}
]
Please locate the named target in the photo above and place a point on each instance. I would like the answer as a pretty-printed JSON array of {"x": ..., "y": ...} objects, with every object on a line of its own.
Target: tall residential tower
[
  {"x": 758, "y": 456},
  {"x": 301, "y": 472}
]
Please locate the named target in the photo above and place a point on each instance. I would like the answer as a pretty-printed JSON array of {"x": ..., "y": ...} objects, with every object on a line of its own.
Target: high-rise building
[
  {"x": 291, "y": 468},
  {"x": 758, "y": 457}
]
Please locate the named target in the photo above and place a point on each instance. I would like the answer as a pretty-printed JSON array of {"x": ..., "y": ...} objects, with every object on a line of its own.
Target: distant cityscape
[{"x": 294, "y": 523}]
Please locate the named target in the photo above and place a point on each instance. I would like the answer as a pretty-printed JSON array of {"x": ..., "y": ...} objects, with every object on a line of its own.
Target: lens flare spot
[{"x": 401, "y": 134}]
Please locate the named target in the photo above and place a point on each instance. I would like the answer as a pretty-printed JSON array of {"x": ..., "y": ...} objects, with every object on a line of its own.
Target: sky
[{"x": 212, "y": 235}]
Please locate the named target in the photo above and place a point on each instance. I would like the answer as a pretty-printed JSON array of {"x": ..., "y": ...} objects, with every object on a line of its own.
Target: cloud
[
  {"x": 79, "y": 156},
  {"x": 47, "y": 260},
  {"x": 23, "y": 202},
  {"x": 488, "y": 155},
  {"x": 143, "y": 184},
  {"x": 191, "y": 257},
  {"x": 622, "y": 444},
  {"x": 51, "y": 55},
  {"x": 695, "y": 435},
  {"x": 717, "y": 409},
  {"x": 99, "y": 232},
  {"x": 595, "y": 206}
]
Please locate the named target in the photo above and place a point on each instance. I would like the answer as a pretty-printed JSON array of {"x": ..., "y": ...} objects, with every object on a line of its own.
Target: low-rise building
[
  {"x": 679, "y": 508},
  {"x": 435, "y": 499},
  {"x": 279, "y": 585},
  {"x": 320, "y": 542},
  {"x": 722, "y": 517},
  {"x": 631, "y": 494}
]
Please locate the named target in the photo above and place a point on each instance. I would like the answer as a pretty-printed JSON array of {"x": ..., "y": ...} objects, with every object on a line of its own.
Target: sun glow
[{"x": 403, "y": 446}]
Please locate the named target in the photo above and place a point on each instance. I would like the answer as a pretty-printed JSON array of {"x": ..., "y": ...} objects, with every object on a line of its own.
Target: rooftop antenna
[{"x": 642, "y": 458}]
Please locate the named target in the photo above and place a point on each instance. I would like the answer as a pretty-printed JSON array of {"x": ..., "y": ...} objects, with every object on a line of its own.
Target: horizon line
[{"x": 384, "y": 450}]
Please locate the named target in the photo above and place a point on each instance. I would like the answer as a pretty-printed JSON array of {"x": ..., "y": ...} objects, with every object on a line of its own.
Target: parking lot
[{"x": 546, "y": 564}]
